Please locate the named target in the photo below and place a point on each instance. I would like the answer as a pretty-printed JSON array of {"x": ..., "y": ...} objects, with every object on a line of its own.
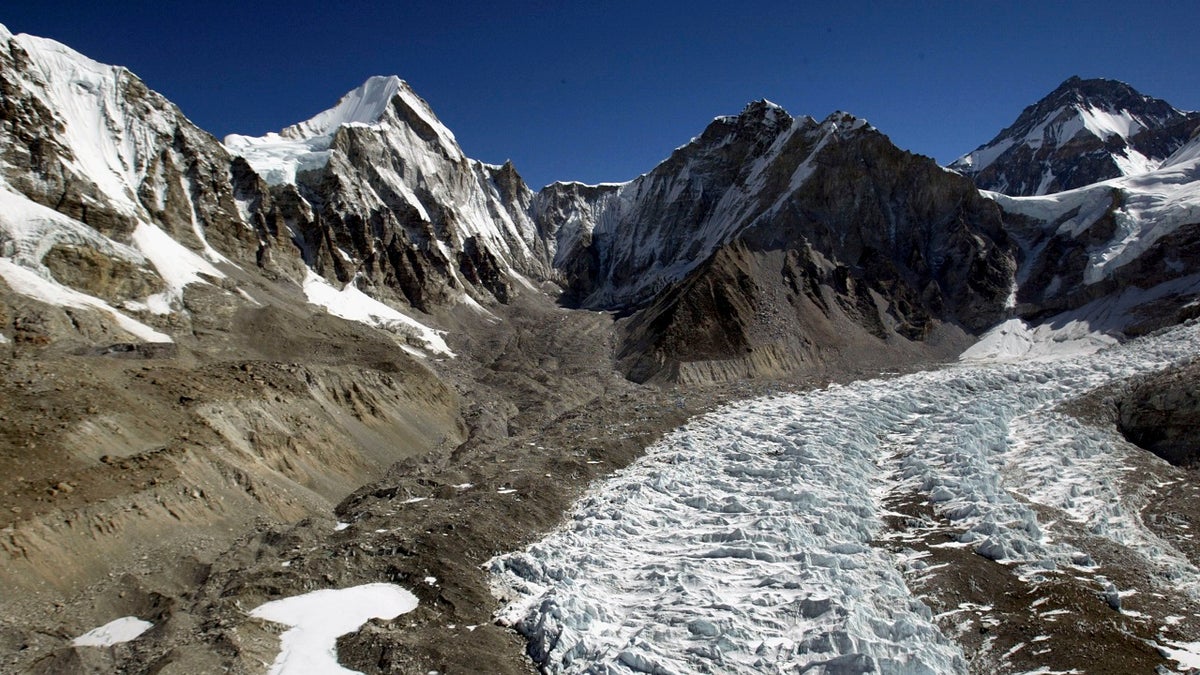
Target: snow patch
[
  {"x": 1145, "y": 208},
  {"x": 1186, "y": 654},
  {"x": 354, "y": 305},
  {"x": 115, "y": 632},
  {"x": 174, "y": 262},
  {"x": 317, "y": 619}
]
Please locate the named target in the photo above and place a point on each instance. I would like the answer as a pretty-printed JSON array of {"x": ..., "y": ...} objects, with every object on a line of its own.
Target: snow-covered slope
[
  {"x": 1083, "y": 132},
  {"x": 113, "y": 202},
  {"x": 111, "y": 198},
  {"x": 403, "y": 207},
  {"x": 1120, "y": 254}
]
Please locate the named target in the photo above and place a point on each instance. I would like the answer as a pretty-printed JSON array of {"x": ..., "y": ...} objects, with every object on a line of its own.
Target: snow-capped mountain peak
[
  {"x": 380, "y": 101},
  {"x": 366, "y": 104},
  {"x": 380, "y": 161},
  {"x": 375, "y": 102},
  {"x": 1083, "y": 132}
]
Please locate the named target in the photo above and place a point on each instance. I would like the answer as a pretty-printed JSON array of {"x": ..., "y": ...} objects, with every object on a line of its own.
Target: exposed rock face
[
  {"x": 1162, "y": 414},
  {"x": 165, "y": 384},
  {"x": 378, "y": 189},
  {"x": 1120, "y": 255},
  {"x": 825, "y": 219},
  {"x": 1083, "y": 132}
]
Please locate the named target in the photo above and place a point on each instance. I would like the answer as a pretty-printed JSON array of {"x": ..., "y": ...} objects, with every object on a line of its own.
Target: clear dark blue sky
[{"x": 603, "y": 91}]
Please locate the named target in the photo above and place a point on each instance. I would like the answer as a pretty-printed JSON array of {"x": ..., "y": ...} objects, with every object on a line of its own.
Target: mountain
[
  {"x": 1118, "y": 256},
  {"x": 345, "y": 353},
  {"x": 109, "y": 190},
  {"x": 170, "y": 374},
  {"x": 1083, "y": 132},
  {"x": 377, "y": 189},
  {"x": 770, "y": 243}
]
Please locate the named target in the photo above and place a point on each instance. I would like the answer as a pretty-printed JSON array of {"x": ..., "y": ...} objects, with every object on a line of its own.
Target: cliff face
[
  {"x": 377, "y": 190},
  {"x": 763, "y": 213}
]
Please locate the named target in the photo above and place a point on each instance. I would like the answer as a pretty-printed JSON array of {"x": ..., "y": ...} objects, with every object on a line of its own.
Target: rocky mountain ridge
[
  {"x": 377, "y": 189},
  {"x": 203, "y": 342},
  {"x": 1083, "y": 132},
  {"x": 881, "y": 244}
]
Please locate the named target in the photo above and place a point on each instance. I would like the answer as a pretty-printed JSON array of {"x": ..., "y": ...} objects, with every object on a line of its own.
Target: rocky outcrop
[
  {"x": 93, "y": 143},
  {"x": 1161, "y": 413},
  {"x": 1119, "y": 255},
  {"x": 1083, "y": 132}
]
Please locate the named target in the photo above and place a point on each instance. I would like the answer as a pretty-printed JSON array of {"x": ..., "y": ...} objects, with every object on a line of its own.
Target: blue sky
[{"x": 604, "y": 91}]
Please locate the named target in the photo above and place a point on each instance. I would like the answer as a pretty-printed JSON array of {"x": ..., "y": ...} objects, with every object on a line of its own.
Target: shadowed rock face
[
  {"x": 1162, "y": 415},
  {"x": 1051, "y": 148},
  {"x": 760, "y": 246}
]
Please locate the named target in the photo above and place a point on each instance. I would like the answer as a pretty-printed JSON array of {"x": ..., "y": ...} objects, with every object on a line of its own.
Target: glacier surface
[{"x": 746, "y": 541}]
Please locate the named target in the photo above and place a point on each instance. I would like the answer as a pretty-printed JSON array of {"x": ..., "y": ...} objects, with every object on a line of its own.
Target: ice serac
[
  {"x": 771, "y": 243},
  {"x": 1083, "y": 132},
  {"x": 377, "y": 189}
]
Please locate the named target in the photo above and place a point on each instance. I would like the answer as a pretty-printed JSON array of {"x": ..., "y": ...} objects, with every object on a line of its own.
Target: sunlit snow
[
  {"x": 1149, "y": 207},
  {"x": 1015, "y": 340},
  {"x": 114, "y": 632},
  {"x": 351, "y": 303},
  {"x": 175, "y": 263},
  {"x": 1186, "y": 654},
  {"x": 318, "y": 618}
]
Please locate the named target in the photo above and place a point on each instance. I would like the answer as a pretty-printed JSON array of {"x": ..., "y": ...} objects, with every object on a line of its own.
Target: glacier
[{"x": 749, "y": 540}]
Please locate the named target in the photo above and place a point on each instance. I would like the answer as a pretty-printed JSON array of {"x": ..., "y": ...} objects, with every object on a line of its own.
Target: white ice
[
  {"x": 114, "y": 632},
  {"x": 1149, "y": 207},
  {"x": 1186, "y": 654},
  {"x": 745, "y": 541},
  {"x": 1014, "y": 340},
  {"x": 317, "y": 619}
]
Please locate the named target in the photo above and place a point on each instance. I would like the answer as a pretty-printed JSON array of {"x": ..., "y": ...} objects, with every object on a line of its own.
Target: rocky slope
[
  {"x": 166, "y": 384},
  {"x": 750, "y": 248},
  {"x": 377, "y": 189},
  {"x": 1161, "y": 413},
  {"x": 1083, "y": 132},
  {"x": 206, "y": 349}
]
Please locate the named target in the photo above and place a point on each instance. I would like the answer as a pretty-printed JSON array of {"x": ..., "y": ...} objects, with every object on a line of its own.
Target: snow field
[
  {"x": 743, "y": 541},
  {"x": 317, "y": 619}
]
